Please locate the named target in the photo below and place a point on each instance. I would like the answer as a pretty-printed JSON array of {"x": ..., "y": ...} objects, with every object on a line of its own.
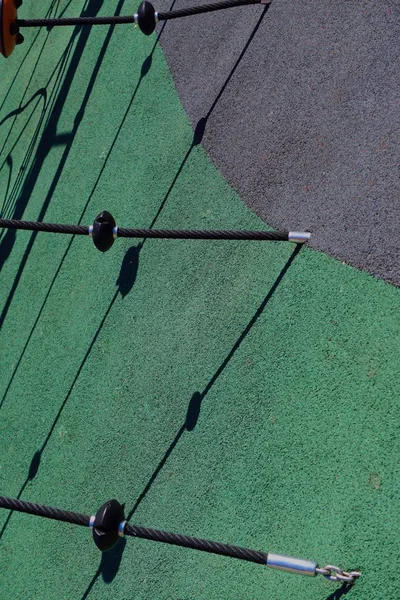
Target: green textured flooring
[{"x": 237, "y": 391}]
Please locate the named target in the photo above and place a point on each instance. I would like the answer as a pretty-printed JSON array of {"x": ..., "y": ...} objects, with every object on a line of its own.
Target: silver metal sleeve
[
  {"x": 292, "y": 565},
  {"x": 299, "y": 237},
  {"x": 121, "y": 529}
]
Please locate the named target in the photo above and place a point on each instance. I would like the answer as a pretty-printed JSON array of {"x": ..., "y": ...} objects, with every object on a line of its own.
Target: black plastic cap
[
  {"x": 106, "y": 525},
  {"x": 146, "y": 19},
  {"x": 19, "y": 39},
  {"x": 103, "y": 231}
]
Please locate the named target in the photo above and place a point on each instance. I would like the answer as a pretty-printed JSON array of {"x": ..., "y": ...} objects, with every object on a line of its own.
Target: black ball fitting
[
  {"x": 146, "y": 18},
  {"x": 107, "y": 525},
  {"x": 103, "y": 231}
]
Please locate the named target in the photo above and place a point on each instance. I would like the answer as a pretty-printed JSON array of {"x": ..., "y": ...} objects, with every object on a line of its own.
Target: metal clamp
[
  {"x": 121, "y": 528},
  {"x": 299, "y": 237},
  {"x": 291, "y": 565},
  {"x": 310, "y": 568}
]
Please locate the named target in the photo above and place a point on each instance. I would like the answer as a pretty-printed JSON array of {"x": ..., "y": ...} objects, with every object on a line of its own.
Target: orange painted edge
[{"x": 8, "y": 15}]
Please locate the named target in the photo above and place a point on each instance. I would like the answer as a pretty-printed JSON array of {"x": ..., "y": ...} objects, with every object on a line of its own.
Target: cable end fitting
[
  {"x": 336, "y": 574},
  {"x": 292, "y": 565},
  {"x": 299, "y": 237}
]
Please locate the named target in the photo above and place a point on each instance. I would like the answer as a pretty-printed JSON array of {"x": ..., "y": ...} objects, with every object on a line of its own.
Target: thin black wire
[
  {"x": 177, "y": 234},
  {"x": 146, "y": 533},
  {"x": 123, "y": 20}
]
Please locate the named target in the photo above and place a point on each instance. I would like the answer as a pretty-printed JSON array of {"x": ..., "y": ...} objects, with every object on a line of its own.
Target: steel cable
[
  {"x": 121, "y": 20},
  {"x": 41, "y": 510},
  {"x": 196, "y": 543},
  {"x": 182, "y": 234}
]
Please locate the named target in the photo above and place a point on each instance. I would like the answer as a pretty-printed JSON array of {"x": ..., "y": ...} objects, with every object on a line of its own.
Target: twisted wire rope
[
  {"x": 196, "y": 543},
  {"x": 121, "y": 19},
  {"x": 191, "y": 234},
  {"x": 147, "y": 533}
]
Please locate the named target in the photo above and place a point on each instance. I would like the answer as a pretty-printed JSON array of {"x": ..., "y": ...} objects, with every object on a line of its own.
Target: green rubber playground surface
[{"x": 243, "y": 392}]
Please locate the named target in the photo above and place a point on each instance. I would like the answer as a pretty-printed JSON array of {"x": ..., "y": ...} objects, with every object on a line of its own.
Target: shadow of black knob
[
  {"x": 34, "y": 466},
  {"x": 106, "y": 525}
]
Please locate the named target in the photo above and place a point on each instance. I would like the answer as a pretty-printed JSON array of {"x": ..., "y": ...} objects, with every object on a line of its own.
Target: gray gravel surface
[{"x": 302, "y": 109}]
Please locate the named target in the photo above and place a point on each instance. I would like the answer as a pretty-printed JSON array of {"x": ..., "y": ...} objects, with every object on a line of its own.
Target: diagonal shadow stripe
[{"x": 197, "y": 398}]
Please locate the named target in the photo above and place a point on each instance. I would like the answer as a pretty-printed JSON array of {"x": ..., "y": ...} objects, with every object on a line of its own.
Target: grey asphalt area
[{"x": 301, "y": 114}]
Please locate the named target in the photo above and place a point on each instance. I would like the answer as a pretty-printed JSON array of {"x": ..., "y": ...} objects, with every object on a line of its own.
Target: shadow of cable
[
  {"x": 42, "y": 93},
  {"x": 9, "y": 163},
  {"x": 49, "y": 13},
  {"x": 27, "y": 85},
  {"x": 49, "y": 137},
  {"x": 7, "y": 240},
  {"x": 22, "y": 108},
  {"x": 202, "y": 123},
  {"x": 196, "y": 400},
  {"x": 58, "y": 69},
  {"x": 342, "y": 591},
  {"x": 125, "y": 282}
]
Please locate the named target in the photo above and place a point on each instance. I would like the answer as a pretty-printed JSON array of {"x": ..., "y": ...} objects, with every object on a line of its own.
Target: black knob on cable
[
  {"x": 107, "y": 525},
  {"x": 103, "y": 231},
  {"x": 146, "y": 18}
]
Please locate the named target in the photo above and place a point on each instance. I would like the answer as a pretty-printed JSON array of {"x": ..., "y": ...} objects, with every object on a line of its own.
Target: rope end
[{"x": 299, "y": 237}]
